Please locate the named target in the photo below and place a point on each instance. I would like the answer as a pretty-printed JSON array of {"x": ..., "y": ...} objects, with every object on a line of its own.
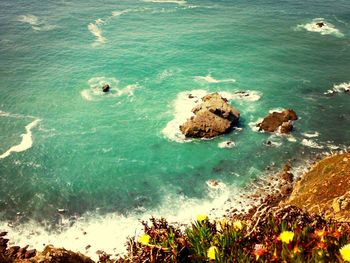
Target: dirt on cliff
[{"x": 325, "y": 189}]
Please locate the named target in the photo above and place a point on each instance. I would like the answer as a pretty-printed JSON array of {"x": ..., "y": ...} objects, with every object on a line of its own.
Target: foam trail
[
  {"x": 210, "y": 79},
  {"x": 226, "y": 144},
  {"x": 311, "y": 135},
  {"x": 26, "y": 143},
  {"x": 319, "y": 25},
  {"x": 97, "y": 32}
]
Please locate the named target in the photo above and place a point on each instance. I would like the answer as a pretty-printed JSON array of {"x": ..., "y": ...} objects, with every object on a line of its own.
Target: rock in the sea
[
  {"x": 320, "y": 24},
  {"x": 282, "y": 121},
  {"x": 213, "y": 117},
  {"x": 105, "y": 88}
]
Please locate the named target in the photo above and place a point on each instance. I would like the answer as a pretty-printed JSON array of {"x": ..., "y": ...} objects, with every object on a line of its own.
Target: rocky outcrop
[
  {"x": 213, "y": 117},
  {"x": 278, "y": 121},
  {"x": 48, "y": 255},
  {"x": 325, "y": 189}
]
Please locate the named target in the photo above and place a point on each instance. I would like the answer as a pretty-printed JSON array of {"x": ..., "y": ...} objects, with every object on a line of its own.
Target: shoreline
[{"x": 268, "y": 193}]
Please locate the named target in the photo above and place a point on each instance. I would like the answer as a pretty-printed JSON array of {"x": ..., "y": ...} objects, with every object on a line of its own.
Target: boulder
[
  {"x": 282, "y": 121},
  {"x": 213, "y": 117},
  {"x": 105, "y": 88}
]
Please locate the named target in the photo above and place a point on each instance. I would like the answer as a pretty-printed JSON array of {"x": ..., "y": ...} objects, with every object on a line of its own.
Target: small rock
[
  {"x": 105, "y": 88},
  {"x": 320, "y": 24}
]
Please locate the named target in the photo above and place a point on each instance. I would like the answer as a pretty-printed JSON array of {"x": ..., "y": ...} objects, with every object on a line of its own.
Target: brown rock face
[
  {"x": 58, "y": 255},
  {"x": 213, "y": 117},
  {"x": 278, "y": 120},
  {"x": 325, "y": 188}
]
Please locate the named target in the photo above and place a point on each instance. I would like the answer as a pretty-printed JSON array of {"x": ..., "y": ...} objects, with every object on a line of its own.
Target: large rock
[
  {"x": 213, "y": 117},
  {"x": 278, "y": 121},
  {"x": 325, "y": 188}
]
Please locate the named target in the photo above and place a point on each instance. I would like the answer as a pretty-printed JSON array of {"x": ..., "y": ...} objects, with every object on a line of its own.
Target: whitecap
[
  {"x": 26, "y": 143},
  {"x": 311, "y": 144},
  {"x": 226, "y": 144},
  {"x": 36, "y": 23},
  {"x": 29, "y": 19},
  {"x": 97, "y": 32},
  {"x": 210, "y": 79},
  {"x": 319, "y": 25},
  {"x": 339, "y": 88}
]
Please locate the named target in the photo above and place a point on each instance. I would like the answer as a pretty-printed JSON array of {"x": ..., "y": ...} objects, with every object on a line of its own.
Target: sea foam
[
  {"x": 210, "y": 79},
  {"x": 26, "y": 143},
  {"x": 326, "y": 29},
  {"x": 95, "y": 30},
  {"x": 95, "y": 91},
  {"x": 36, "y": 23},
  {"x": 110, "y": 232},
  {"x": 339, "y": 88}
]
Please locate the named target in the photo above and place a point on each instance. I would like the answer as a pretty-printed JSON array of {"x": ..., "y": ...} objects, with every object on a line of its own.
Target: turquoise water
[{"x": 97, "y": 155}]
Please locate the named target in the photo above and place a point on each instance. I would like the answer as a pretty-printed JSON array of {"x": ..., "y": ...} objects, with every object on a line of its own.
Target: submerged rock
[
  {"x": 282, "y": 121},
  {"x": 213, "y": 117}
]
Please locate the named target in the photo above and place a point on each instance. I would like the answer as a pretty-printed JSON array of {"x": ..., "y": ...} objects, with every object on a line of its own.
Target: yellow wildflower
[
  {"x": 238, "y": 225},
  {"x": 144, "y": 239},
  {"x": 286, "y": 236},
  {"x": 201, "y": 218},
  {"x": 345, "y": 252},
  {"x": 212, "y": 251}
]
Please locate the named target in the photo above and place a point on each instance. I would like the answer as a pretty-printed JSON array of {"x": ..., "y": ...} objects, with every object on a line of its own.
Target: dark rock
[
  {"x": 213, "y": 117},
  {"x": 320, "y": 24},
  {"x": 105, "y": 88},
  {"x": 2, "y": 234},
  {"x": 30, "y": 253},
  {"x": 276, "y": 120},
  {"x": 12, "y": 251}
]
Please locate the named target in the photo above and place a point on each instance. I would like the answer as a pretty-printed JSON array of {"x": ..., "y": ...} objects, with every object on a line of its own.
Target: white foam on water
[
  {"x": 109, "y": 232},
  {"x": 326, "y": 29},
  {"x": 247, "y": 95},
  {"x": 279, "y": 110},
  {"x": 210, "y": 79},
  {"x": 312, "y": 144},
  {"x": 183, "y": 105},
  {"x": 226, "y": 144},
  {"x": 29, "y": 19},
  {"x": 339, "y": 88},
  {"x": 36, "y": 23},
  {"x": 311, "y": 134},
  {"x": 97, "y": 32},
  {"x": 95, "y": 91},
  {"x": 179, "y": 2},
  {"x": 253, "y": 124},
  {"x": 26, "y": 143}
]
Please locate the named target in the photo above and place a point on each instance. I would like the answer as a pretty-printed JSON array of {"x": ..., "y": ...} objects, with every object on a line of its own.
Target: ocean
[{"x": 81, "y": 167}]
